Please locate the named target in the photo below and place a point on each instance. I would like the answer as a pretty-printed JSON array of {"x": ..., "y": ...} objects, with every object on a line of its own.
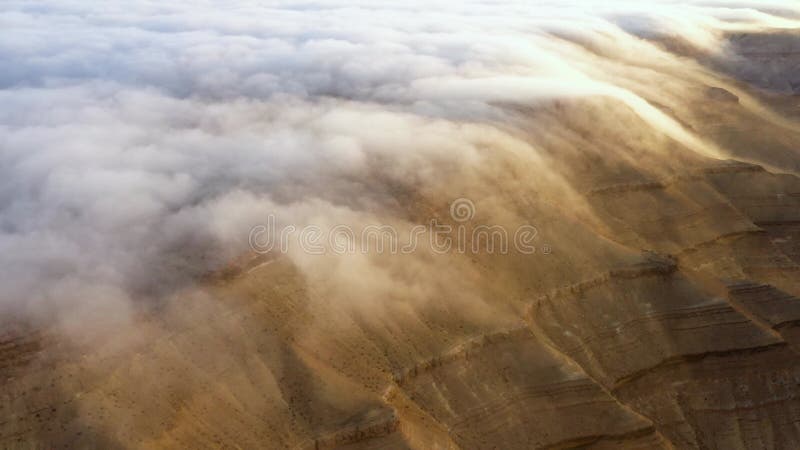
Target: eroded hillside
[{"x": 660, "y": 308}]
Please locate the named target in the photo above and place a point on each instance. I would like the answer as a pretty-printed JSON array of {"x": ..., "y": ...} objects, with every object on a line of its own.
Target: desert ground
[{"x": 655, "y": 155}]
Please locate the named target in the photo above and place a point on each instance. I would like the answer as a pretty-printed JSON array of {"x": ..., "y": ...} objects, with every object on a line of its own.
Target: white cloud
[{"x": 136, "y": 136}]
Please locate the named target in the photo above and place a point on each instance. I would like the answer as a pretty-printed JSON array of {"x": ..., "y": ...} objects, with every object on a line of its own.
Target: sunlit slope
[{"x": 660, "y": 310}]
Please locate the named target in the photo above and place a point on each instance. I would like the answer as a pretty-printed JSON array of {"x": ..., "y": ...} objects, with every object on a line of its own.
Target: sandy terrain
[{"x": 660, "y": 310}]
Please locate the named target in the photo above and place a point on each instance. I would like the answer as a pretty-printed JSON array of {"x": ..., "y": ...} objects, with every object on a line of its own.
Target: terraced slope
[{"x": 661, "y": 308}]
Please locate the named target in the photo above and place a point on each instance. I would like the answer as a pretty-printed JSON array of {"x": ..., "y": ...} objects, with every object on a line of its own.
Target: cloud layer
[{"x": 139, "y": 141}]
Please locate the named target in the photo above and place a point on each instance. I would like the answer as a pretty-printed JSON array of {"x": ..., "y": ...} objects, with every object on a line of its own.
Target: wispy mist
[{"x": 139, "y": 141}]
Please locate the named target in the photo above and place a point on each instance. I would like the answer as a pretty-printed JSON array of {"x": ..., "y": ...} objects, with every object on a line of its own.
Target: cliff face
[{"x": 660, "y": 308}]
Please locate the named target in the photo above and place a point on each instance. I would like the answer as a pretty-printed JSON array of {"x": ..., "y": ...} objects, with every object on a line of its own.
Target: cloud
[{"x": 140, "y": 140}]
